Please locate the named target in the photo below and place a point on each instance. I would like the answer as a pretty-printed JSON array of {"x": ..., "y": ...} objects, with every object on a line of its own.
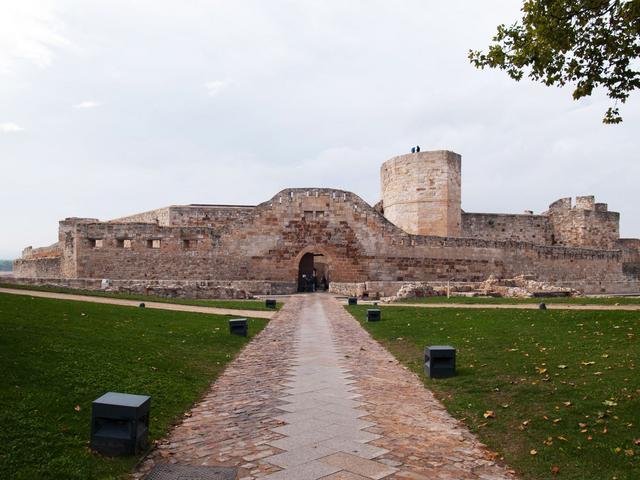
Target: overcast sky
[{"x": 112, "y": 108}]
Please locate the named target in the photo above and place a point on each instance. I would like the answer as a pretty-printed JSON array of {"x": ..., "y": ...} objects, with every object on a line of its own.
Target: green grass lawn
[
  {"x": 513, "y": 301},
  {"x": 235, "y": 304},
  {"x": 563, "y": 384},
  {"x": 57, "y": 356}
]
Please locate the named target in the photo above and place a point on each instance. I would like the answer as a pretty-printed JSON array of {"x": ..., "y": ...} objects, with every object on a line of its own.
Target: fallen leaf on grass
[
  {"x": 77, "y": 408},
  {"x": 588, "y": 363},
  {"x": 560, "y": 437},
  {"x": 562, "y": 366},
  {"x": 541, "y": 370},
  {"x": 489, "y": 414},
  {"x": 555, "y": 469},
  {"x": 610, "y": 403},
  {"x": 567, "y": 404},
  {"x": 636, "y": 441},
  {"x": 533, "y": 452},
  {"x": 629, "y": 452}
]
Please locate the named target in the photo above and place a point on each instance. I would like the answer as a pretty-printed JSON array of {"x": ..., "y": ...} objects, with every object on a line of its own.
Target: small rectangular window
[
  {"x": 92, "y": 242},
  {"x": 123, "y": 243},
  {"x": 96, "y": 242},
  {"x": 154, "y": 243},
  {"x": 308, "y": 215},
  {"x": 319, "y": 214},
  {"x": 189, "y": 244}
]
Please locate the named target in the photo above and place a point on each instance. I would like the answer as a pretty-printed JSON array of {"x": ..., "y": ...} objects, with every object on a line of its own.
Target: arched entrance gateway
[{"x": 313, "y": 272}]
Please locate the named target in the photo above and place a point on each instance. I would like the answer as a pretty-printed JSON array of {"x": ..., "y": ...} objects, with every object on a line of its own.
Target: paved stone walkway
[
  {"x": 134, "y": 303},
  {"x": 314, "y": 396}
]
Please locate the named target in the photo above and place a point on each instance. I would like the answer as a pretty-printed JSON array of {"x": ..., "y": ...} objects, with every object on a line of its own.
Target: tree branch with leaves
[{"x": 590, "y": 44}]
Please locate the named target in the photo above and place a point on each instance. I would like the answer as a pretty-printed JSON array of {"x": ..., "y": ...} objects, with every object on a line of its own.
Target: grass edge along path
[
  {"x": 626, "y": 300},
  {"x": 232, "y": 304},
  {"x": 549, "y": 391},
  {"x": 57, "y": 356}
]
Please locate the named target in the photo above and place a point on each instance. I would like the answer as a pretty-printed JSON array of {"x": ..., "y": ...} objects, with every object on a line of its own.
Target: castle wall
[
  {"x": 587, "y": 224},
  {"x": 417, "y": 232},
  {"x": 42, "y": 252},
  {"x": 160, "y": 216},
  {"x": 421, "y": 192},
  {"x": 38, "y": 267},
  {"x": 209, "y": 215},
  {"x": 518, "y": 228},
  {"x": 359, "y": 245},
  {"x": 630, "y": 248}
]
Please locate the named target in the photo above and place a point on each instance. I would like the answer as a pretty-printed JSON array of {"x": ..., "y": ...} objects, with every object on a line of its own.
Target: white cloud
[
  {"x": 295, "y": 94},
  {"x": 30, "y": 31},
  {"x": 214, "y": 87},
  {"x": 87, "y": 104},
  {"x": 10, "y": 127}
]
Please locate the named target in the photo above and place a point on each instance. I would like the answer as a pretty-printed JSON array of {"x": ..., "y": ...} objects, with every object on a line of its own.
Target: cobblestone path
[{"x": 314, "y": 396}]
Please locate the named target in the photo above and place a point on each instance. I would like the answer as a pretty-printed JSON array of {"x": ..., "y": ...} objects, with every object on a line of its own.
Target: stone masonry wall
[
  {"x": 587, "y": 224},
  {"x": 43, "y": 267},
  {"x": 630, "y": 248},
  {"x": 165, "y": 288},
  {"x": 159, "y": 216},
  {"x": 421, "y": 192},
  {"x": 358, "y": 243},
  {"x": 519, "y": 228},
  {"x": 209, "y": 215}
]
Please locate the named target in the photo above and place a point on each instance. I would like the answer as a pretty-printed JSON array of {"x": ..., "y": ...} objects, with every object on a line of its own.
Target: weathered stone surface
[
  {"x": 421, "y": 193},
  {"x": 418, "y": 234}
]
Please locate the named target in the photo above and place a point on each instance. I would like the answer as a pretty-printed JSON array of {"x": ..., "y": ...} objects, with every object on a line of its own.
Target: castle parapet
[{"x": 586, "y": 224}]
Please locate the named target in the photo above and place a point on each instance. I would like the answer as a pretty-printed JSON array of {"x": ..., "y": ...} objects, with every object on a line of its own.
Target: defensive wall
[{"x": 260, "y": 248}]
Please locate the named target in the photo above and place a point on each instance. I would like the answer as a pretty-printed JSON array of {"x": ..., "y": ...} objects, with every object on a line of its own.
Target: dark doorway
[{"x": 313, "y": 274}]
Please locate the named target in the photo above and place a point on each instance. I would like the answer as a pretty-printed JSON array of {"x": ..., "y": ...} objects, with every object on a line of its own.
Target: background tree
[{"x": 588, "y": 43}]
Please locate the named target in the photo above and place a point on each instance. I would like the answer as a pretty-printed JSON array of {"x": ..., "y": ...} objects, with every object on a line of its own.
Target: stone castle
[{"x": 417, "y": 232}]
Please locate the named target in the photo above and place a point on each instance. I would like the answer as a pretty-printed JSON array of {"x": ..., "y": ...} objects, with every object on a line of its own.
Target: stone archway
[{"x": 313, "y": 270}]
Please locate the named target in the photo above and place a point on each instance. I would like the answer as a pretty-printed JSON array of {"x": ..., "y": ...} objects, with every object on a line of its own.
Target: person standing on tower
[{"x": 418, "y": 149}]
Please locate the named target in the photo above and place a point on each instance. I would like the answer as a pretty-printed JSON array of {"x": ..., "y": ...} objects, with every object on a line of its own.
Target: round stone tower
[{"x": 421, "y": 192}]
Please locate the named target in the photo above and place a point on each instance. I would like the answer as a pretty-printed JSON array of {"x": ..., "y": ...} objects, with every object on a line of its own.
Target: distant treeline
[{"x": 6, "y": 265}]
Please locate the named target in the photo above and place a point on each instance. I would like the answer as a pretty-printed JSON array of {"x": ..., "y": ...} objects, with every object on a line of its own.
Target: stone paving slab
[{"x": 359, "y": 466}]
